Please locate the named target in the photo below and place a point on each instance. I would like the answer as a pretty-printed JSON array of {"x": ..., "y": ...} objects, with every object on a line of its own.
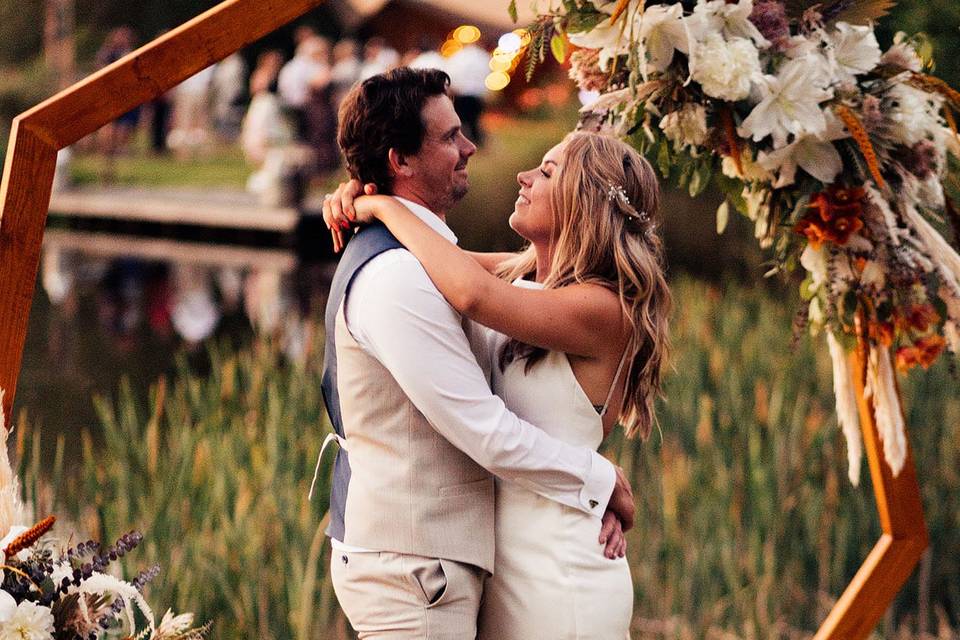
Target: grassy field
[{"x": 747, "y": 526}]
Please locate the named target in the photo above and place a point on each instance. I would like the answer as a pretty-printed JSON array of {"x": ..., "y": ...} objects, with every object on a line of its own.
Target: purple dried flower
[
  {"x": 770, "y": 17},
  {"x": 921, "y": 159}
]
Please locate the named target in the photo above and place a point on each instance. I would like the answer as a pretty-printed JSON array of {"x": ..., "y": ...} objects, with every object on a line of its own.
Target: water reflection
[{"x": 109, "y": 306}]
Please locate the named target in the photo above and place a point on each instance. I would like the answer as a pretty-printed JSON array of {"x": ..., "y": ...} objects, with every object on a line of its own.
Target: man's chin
[{"x": 460, "y": 190}]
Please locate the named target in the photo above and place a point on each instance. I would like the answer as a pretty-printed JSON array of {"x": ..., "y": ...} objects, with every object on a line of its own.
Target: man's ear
[{"x": 398, "y": 163}]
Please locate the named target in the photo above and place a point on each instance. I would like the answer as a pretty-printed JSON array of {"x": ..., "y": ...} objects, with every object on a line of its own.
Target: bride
[{"x": 578, "y": 336}]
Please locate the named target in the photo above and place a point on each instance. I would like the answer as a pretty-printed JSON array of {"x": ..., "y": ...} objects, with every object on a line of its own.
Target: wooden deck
[{"x": 201, "y": 207}]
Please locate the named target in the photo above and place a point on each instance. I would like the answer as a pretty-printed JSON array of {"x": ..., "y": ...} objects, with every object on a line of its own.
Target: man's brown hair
[{"x": 381, "y": 113}]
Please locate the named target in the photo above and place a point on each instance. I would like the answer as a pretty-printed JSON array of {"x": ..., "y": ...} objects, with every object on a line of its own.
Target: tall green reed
[
  {"x": 747, "y": 525},
  {"x": 215, "y": 472}
]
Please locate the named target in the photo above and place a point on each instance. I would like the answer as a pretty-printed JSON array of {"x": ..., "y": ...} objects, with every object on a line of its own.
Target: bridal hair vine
[{"x": 618, "y": 195}]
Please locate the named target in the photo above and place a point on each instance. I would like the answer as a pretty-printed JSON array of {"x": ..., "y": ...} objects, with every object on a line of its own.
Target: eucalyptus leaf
[
  {"x": 581, "y": 21},
  {"x": 512, "y": 10},
  {"x": 723, "y": 216},
  {"x": 663, "y": 159},
  {"x": 558, "y": 47}
]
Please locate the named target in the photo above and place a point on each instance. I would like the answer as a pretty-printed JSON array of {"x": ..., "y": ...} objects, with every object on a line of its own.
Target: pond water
[{"x": 110, "y": 306}]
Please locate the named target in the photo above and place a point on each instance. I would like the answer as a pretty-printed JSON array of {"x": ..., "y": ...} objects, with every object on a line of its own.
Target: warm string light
[{"x": 505, "y": 58}]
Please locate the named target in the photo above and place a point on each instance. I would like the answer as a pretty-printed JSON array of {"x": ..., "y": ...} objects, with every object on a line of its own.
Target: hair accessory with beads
[{"x": 617, "y": 194}]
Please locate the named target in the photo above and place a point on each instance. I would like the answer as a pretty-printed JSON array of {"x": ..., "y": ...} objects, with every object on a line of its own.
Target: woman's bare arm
[
  {"x": 576, "y": 319},
  {"x": 489, "y": 260}
]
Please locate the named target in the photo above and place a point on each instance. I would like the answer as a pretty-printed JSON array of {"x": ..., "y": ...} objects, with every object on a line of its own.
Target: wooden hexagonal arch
[{"x": 148, "y": 72}]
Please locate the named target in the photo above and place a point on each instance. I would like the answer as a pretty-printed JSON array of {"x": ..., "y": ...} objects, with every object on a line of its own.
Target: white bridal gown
[{"x": 551, "y": 579}]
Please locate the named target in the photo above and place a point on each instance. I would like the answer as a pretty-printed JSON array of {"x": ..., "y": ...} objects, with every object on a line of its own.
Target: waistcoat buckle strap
[{"x": 331, "y": 437}]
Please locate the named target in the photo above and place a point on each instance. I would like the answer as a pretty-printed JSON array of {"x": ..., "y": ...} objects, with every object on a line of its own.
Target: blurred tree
[{"x": 940, "y": 20}]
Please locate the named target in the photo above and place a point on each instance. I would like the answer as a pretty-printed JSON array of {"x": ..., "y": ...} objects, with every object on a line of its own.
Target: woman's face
[{"x": 533, "y": 215}]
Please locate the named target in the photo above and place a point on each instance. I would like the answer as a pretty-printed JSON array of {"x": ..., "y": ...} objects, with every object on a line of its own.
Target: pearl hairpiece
[{"x": 616, "y": 193}]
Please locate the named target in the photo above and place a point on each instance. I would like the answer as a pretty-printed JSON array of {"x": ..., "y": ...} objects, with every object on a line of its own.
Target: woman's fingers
[{"x": 609, "y": 523}]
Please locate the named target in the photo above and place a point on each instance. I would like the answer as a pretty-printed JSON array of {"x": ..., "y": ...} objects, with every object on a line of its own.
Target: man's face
[{"x": 438, "y": 172}]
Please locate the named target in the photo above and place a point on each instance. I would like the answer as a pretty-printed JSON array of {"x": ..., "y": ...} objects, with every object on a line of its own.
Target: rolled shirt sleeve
[{"x": 397, "y": 315}]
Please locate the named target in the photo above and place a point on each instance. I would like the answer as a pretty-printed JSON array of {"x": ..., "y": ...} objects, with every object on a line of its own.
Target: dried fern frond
[
  {"x": 862, "y": 138},
  {"x": 29, "y": 537},
  {"x": 863, "y": 12},
  {"x": 932, "y": 84}
]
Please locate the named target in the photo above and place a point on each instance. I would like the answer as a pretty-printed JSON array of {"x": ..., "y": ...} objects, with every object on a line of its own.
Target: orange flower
[
  {"x": 881, "y": 332},
  {"x": 919, "y": 317},
  {"x": 834, "y": 215},
  {"x": 924, "y": 352}
]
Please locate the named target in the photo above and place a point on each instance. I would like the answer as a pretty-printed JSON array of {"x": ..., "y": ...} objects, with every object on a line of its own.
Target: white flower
[
  {"x": 815, "y": 154},
  {"x": 903, "y": 55},
  {"x": 816, "y": 314},
  {"x": 790, "y": 103},
  {"x": 611, "y": 39},
  {"x": 725, "y": 70},
  {"x": 686, "y": 126},
  {"x": 752, "y": 171},
  {"x": 853, "y": 50},
  {"x": 729, "y": 20},
  {"x": 7, "y": 606},
  {"x": 29, "y": 621},
  {"x": 12, "y": 535},
  {"x": 815, "y": 261},
  {"x": 913, "y": 114},
  {"x": 662, "y": 32},
  {"x": 872, "y": 275}
]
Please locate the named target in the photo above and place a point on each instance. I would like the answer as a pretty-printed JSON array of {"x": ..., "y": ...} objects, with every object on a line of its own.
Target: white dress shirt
[{"x": 397, "y": 315}]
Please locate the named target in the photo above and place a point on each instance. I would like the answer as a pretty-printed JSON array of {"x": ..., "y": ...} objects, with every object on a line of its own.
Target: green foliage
[
  {"x": 748, "y": 527},
  {"x": 215, "y": 473}
]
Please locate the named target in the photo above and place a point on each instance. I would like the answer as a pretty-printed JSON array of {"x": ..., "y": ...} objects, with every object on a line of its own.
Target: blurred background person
[
  {"x": 114, "y": 137},
  {"x": 424, "y": 57},
  {"x": 468, "y": 69},
  {"x": 378, "y": 57},
  {"x": 228, "y": 87},
  {"x": 346, "y": 68},
  {"x": 320, "y": 125},
  {"x": 294, "y": 82},
  {"x": 191, "y": 113}
]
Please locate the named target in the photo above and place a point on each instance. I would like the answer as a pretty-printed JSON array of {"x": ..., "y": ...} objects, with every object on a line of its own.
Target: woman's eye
[{"x": 545, "y": 174}]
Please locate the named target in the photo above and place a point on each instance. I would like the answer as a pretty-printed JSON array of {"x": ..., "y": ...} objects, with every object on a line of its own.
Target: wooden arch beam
[
  {"x": 904, "y": 534},
  {"x": 37, "y": 135}
]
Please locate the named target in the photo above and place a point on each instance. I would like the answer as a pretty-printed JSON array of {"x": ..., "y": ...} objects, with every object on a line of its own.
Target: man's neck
[{"x": 413, "y": 196}]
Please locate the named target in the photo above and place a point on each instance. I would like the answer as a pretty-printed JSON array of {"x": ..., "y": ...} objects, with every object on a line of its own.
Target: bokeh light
[
  {"x": 466, "y": 34},
  {"x": 501, "y": 61},
  {"x": 510, "y": 42},
  {"x": 497, "y": 81},
  {"x": 449, "y": 48}
]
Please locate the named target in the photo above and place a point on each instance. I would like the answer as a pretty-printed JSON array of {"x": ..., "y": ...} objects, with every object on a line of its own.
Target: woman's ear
[{"x": 398, "y": 163}]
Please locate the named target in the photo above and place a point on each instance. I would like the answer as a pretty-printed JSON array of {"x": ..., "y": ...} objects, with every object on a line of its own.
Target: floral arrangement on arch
[
  {"x": 835, "y": 149},
  {"x": 49, "y": 591}
]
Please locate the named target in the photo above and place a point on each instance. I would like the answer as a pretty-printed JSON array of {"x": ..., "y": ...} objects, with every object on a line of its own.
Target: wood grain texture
[
  {"x": 81, "y": 109},
  {"x": 25, "y": 193},
  {"x": 893, "y": 558}
]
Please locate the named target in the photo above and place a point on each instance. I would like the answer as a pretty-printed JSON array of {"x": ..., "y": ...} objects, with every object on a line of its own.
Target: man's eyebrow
[{"x": 452, "y": 130}]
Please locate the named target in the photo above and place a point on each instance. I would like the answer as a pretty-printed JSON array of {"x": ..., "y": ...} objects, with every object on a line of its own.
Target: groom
[{"x": 412, "y": 502}]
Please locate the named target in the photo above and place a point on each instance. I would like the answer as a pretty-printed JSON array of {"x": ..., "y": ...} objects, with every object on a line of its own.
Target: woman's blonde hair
[{"x": 605, "y": 201}]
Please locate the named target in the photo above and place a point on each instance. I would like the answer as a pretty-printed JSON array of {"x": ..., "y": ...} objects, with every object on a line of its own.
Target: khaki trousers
[{"x": 394, "y": 595}]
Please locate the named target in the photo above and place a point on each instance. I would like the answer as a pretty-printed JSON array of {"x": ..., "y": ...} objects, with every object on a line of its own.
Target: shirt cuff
[{"x": 598, "y": 485}]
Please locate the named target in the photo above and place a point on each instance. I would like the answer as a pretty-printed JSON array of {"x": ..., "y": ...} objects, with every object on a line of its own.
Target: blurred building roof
[{"x": 490, "y": 13}]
